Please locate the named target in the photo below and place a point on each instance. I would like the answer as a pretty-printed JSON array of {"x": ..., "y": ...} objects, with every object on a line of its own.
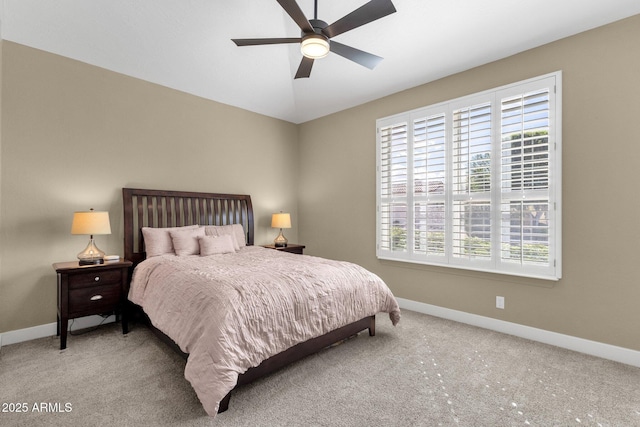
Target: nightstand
[
  {"x": 291, "y": 247},
  {"x": 84, "y": 290}
]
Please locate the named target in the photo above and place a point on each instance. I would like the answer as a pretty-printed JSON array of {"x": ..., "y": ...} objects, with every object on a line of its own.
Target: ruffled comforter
[{"x": 230, "y": 312}]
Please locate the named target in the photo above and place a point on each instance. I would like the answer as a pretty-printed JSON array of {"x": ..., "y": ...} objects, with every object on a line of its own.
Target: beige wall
[
  {"x": 73, "y": 135},
  {"x": 599, "y": 293}
]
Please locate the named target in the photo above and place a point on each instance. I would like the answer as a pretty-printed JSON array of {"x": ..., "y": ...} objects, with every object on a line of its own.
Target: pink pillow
[
  {"x": 185, "y": 242},
  {"x": 235, "y": 230},
  {"x": 157, "y": 241},
  {"x": 214, "y": 245}
]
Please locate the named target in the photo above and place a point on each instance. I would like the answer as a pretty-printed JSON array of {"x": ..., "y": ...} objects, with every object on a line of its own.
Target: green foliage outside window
[
  {"x": 398, "y": 238},
  {"x": 477, "y": 246},
  {"x": 533, "y": 252}
]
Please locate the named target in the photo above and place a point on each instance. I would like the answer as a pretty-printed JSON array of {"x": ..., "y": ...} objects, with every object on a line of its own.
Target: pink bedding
[{"x": 232, "y": 311}]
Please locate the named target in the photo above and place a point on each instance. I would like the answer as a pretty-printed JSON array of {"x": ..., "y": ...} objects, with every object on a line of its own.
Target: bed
[{"x": 237, "y": 311}]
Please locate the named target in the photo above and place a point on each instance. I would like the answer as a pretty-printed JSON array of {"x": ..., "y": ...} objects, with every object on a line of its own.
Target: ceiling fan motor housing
[{"x": 318, "y": 25}]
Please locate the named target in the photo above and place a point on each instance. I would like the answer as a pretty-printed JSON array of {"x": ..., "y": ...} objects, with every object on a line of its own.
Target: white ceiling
[{"x": 185, "y": 44}]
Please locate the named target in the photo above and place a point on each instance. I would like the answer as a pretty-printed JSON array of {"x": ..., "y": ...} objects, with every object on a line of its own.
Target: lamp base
[
  {"x": 91, "y": 254},
  {"x": 280, "y": 241},
  {"x": 91, "y": 261}
]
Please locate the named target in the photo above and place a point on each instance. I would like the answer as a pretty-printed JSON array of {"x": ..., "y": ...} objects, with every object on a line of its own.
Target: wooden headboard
[{"x": 160, "y": 208}]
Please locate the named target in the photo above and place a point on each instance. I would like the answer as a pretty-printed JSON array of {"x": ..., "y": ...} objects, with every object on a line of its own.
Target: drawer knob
[
  {"x": 96, "y": 297},
  {"x": 97, "y": 278}
]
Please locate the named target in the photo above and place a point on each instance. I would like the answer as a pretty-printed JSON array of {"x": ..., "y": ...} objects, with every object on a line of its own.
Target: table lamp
[
  {"x": 280, "y": 220},
  {"x": 90, "y": 223}
]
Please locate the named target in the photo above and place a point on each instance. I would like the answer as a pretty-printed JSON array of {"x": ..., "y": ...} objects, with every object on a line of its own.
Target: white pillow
[
  {"x": 157, "y": 241},
  {"x": 236, "y": 230},
  {"x": 185, "y": 242},
  {"x": 214, "y": 245}
]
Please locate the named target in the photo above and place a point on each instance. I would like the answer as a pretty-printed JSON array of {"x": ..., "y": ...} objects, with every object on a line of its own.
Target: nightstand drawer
[
  {"x": 95, "y": 278},
  {"x": 93, "y": 299}
]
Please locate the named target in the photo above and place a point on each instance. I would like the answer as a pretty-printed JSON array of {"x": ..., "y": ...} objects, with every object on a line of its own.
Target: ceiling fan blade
[
  {"x": 294, "y": 11},
  {"x": 375, "y": 9},
  {"x": 304, "y": 70},
  {"x": 356, "y": 55},
  {"x": 254, "y": 42}
]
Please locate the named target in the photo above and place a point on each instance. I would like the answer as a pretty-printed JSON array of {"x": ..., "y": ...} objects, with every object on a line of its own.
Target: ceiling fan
[{"x": 314, "y": 41}]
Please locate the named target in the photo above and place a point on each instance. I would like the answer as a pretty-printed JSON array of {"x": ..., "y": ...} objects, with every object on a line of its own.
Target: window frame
[{"x": 552, "y": 194}]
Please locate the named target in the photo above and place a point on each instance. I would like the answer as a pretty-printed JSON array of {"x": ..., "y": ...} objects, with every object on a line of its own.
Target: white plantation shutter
[
  {"x": 525, "y": 173},
  {"x": 471, "y": 190},
  {"x": 393, "y": 187},
  {"x": 475, "y": 182},
  {"x": 429, "y": 185}
]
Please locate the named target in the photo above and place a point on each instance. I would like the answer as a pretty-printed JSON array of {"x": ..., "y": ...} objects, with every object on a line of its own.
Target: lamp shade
[
  {"x": 90, "y": 222},
  {"x": 281, "y": 220}
]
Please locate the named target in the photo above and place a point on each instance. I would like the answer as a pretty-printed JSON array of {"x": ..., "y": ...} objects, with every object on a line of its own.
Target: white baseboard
[
  {"x": 42, "y": 331},
  {"x": 593, "y": 348}
]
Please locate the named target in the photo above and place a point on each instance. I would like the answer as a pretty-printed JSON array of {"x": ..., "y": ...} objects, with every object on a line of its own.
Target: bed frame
[{"x": 160, "y": 208}]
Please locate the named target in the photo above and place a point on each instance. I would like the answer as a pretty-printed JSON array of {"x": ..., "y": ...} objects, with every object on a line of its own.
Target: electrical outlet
[{"x": 500, "y": 302}]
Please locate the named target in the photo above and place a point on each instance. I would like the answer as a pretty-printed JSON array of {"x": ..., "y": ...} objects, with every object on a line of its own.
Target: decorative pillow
[
  {"x": 214, "y": 245},
  {"x": 235, "y": 230},
  {"x": 157, "y": 241},
  {"x": 185, "y": 242}
]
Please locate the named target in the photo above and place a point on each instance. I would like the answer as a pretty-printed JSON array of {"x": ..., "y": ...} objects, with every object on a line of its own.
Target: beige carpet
[{"x": 425, "y": 372}]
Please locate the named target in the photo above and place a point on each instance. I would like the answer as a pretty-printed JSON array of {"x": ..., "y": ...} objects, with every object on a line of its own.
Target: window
[{"x": 475, "y": 182}]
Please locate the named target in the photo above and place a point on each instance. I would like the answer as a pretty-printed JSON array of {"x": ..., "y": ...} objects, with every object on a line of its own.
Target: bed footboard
[
  {"x": 278, "y": 361},
  {"x": 300, "y": 351}
]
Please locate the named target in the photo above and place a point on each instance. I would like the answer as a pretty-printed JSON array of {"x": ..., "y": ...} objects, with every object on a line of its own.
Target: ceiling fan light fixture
[{"x": 315, "y": 46}]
